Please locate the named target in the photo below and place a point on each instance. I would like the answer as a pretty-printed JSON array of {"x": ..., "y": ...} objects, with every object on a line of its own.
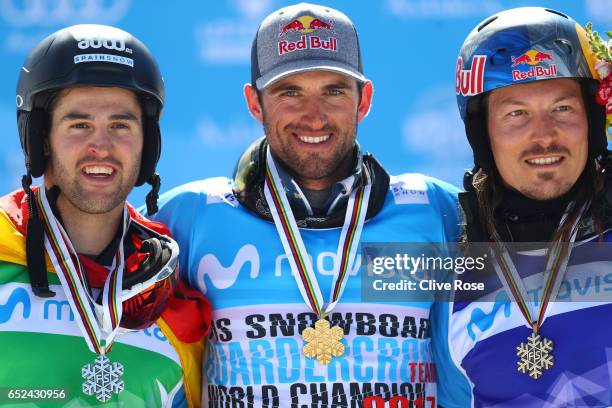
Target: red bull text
[
  {"x": 470, "y": 81},
  {"x": 533, "y": 58},
  {"x": 534, "y": 72},
  {"x": 307, "y": 42}
]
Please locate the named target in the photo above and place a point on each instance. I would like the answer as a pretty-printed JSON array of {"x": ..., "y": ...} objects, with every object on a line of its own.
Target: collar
[
  {"x": 249, "y": 179},
  {"x": 187, "y": 317},
  {"x": 338, "y": 194},
  {"x": 105, "y": 258},
  {"x": 522, "y": 219},
  {"x": 515, "y": 205}
]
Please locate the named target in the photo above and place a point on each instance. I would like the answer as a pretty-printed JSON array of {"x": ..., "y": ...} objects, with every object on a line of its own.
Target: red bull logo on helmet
[
  {"x": 306, "y": 25},
  {"x": 470, "y": 81},
  {"x": 532, "y": 59}
]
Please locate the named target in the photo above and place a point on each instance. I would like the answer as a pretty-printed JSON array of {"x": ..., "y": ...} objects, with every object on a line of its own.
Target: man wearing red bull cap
[
  {"x": 540, "y": 336},
  {"x": 90, "y": 311},
  {"x": 276, "y": 249}
]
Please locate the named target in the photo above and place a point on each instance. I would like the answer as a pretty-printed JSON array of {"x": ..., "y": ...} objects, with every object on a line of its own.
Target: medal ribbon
[
  {"x": 98, "y": 336},
  {"x": 557, "y": 259},
  {"x": 293, "y": 244}
]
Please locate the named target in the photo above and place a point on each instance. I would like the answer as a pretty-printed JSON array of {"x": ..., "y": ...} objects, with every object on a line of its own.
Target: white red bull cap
[{"x": 304, "y": 37}]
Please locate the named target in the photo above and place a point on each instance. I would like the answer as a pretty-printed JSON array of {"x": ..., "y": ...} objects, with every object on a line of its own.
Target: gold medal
[{"x": 323, "y": 342}]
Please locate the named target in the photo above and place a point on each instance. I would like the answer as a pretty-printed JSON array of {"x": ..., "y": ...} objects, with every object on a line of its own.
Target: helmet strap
[
  {"x": 468, "y": 200},
  {"x": 153, "y": 195},
  {"x": 477, "y": 133},
  {"x": 35, "y": 248}
]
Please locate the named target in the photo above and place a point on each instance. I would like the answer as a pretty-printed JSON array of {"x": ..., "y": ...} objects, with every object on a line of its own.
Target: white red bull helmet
[{"x": 519, "y": 46}]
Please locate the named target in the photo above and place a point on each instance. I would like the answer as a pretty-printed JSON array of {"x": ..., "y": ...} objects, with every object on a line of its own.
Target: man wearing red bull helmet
[
  {"x": 540, "y": 336},
  {"x": 276, "y": 248},
  {"x": 101, "y": 319}
]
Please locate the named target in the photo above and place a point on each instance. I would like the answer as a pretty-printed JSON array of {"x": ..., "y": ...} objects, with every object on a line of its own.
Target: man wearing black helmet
[
  {"x": 540, "y": 336},
  {"x": 101, "y": 318}
]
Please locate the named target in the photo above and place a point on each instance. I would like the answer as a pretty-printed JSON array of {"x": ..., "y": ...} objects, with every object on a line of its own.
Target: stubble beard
[
  {"x": 315, "y": 166},
  {"x": 80, "y": 199},
  {"x": 542, "y": 194},
  {"x": 561, "y": 188}
]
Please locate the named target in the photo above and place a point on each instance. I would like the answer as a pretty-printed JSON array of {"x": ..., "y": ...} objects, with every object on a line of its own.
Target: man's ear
[
  {"x": 367, "y": 91},
  {"x": 253, "y": 102}
]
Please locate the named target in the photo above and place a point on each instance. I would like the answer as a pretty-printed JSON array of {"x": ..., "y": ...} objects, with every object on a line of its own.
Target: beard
[
  {"x": 546, "y": 194},
  {"x": 84, "y": 200},
  {"x": 334, "y": 164}
]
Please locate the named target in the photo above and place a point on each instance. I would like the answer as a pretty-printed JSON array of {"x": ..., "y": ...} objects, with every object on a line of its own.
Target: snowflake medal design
[
  {"x": 535, "y": 356},
  {"x": 323, "y": 342},
  {"x": 102, "y": 378}
]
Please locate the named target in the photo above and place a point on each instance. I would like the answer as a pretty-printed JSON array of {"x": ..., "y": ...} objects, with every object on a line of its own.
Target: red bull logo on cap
[
  {"x": 533, "y": 58},
  {"x": 306, "y": 25},
  {"x": 470, "y": 81}
]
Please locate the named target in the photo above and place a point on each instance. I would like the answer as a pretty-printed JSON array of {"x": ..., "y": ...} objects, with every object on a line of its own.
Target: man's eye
[
  {"x": 120, "y": 126},
  {"x": 518, "y": 112},
  {"x": 290, "y": 92},
  {"x": 335, "y": 92},
  {"x": 564, "y": 108},
  {"x": 80, "y": 125}
]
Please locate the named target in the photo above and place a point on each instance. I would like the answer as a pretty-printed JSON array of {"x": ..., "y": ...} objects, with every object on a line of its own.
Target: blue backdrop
[{"x": 203, "y": 47}]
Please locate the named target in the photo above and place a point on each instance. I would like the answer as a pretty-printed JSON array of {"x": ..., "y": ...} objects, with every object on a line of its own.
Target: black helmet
[
  {"x": 518, "y": 46},
  {"x": 88, "y": 54},
  {"x": 85, "y": 54}
]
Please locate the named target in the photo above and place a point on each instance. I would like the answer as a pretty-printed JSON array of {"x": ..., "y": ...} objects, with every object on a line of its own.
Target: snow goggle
[{"x": 147, "y": 290}]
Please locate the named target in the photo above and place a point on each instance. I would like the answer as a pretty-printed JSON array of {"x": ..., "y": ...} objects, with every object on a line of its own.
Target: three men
[
  {"x": 95, "y": 315},
  {"x": 526, "y": 91},
  {"x": 275, "y": 249}
]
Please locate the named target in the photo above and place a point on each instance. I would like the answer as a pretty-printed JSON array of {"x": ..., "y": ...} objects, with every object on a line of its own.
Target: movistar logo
[
  {"x": 17, "y": 296},
  {"x": 483, "y": 320},
  {"x": 223, "y": 277},
  {"x": 212, "y": 271},
  {"x": 62, "y": 310}
]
